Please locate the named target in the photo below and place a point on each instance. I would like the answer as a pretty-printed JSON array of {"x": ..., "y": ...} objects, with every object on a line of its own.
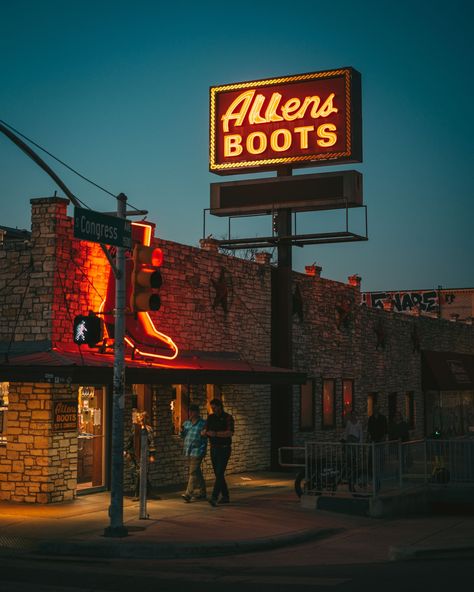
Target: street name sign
[{"x": 101, "y": 228}]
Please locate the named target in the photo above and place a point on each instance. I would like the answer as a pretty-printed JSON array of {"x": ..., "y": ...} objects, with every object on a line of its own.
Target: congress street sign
[{"x": 102, "y": 228}]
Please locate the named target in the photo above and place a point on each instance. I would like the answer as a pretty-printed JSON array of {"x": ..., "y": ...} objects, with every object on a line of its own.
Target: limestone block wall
[
  {"x": 197, "y": 321},
  {"x": 37, "y": 465},
  {"x": 379, "y": 350},
  {"x": 326, "y": 345},
  {"x": 27, "y": 276}
]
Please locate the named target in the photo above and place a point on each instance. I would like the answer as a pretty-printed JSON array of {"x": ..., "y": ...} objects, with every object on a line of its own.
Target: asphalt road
[{"x": 232, "y": 574}]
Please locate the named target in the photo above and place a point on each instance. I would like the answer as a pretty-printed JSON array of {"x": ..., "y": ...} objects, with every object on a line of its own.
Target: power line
[{"x": 63, "y": 164}]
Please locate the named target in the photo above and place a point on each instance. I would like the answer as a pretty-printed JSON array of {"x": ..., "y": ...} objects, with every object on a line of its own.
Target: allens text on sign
[
  {"x": 299, "y": 120},
  {"x": 65, "y": 415}
]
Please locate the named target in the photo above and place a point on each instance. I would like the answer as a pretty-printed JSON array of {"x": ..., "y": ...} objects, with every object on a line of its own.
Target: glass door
[{"x": 91, "y": 443}]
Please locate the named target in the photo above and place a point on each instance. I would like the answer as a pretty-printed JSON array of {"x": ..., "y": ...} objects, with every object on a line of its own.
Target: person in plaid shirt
[{"x": 194, "y": 450}]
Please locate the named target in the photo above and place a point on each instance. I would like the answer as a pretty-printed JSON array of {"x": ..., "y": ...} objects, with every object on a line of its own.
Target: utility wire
[
  {"x": 68, "y": 310},
  {"x": 63, "y": 163},
  {"x": 79, "y": 267},
  {"x": 20, "y": 310},
  {"x": 13, "y": 279}
]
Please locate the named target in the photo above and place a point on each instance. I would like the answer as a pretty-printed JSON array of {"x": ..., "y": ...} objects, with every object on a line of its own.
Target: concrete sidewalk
[{"x": 264, "y": 514}]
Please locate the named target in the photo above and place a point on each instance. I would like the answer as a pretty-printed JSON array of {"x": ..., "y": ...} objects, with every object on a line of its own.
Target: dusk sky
[{"x": 119, "y": 90}]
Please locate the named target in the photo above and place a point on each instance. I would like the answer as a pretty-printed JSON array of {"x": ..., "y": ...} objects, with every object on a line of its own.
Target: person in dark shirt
[
  {"x": 377, "y": 429},
  {"x": 398, "y": 429},
  {"x": 219, "y": 429},
  {"x": 377, "y": 426}
]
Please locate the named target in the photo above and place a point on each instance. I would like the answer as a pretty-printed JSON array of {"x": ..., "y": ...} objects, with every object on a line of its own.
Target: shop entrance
[{"x": 91, "y": 438}]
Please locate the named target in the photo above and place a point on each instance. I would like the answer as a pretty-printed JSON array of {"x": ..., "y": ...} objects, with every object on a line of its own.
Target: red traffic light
[{"x": 145, "y": 278}]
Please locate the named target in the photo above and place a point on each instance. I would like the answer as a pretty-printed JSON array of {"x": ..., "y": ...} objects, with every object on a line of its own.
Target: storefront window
[
  {"x": 179, "y": 406},
  {"x": 371, "y": 402},
  {"x": 410, "y": 410},
  {"x": 4, "y": 389},
  {"x": 392, "y": 406},
  {"x": 307, "y": 406},
  {"x": 347, "y": 399},
  {"x": 449, "y": 413},
  {"x": 329, "y": 404},
  {"x": 213, "y": 391},
  {"x": 468, "y": 413},
  {"x": 184, "y": 395},
  {"x": 142, "y": 401}
]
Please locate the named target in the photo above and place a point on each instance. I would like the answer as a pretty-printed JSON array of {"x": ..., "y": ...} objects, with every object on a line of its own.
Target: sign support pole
[
  {"x": 116, "y": 527},
  {"x": 282, "y": 320}
]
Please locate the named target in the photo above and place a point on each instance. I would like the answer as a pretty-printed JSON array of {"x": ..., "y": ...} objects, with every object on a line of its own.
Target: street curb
[
  {"x": 123, "y": 549},
  {"x": 411, "y": 553}
]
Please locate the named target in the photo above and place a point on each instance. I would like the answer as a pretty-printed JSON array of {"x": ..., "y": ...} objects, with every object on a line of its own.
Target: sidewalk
[{"x": 264, "y": 514}]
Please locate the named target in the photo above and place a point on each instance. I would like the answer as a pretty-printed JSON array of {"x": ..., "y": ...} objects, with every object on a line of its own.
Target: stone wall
[
  {"x": 37, "y": 465},
  {"x": 379, "y": 350},
  {"x": 196, "y": 319}
]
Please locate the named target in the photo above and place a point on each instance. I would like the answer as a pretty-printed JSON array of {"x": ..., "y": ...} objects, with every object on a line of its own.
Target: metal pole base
[{"x": 116, "y": 531}]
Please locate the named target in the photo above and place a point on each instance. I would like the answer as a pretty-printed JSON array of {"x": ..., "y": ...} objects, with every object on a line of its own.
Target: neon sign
[
  {"x": 305, "y": 120},
  {"x": 141, "y": 334}
]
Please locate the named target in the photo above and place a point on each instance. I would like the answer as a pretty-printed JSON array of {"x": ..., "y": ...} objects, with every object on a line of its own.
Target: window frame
[
  {"x": 352, "y": 408},
  {"x": 410, "y": 410},
  {"x": 304, "y": 425},
  {"x": 372, "y": 400},
  {"x": 4, "y": 412},
  {"x": 332, "y": 425},
  {"x": 392, "y": 409},
  {"x": 213, "y": 391},
  {"x": 180, "y": 410}
]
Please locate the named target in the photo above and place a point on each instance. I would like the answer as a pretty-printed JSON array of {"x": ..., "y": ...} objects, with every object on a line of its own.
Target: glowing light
[
  {"x": 147, "y": 232},
  {"x": 325, "y": 132},
  {"x": 259, "y": 146},
  {"x": 232, "y": 145},
  {"x": 144, "y": 321},
  {"x": 252, "y": 106},
  {"x": 274, "y": 140}
]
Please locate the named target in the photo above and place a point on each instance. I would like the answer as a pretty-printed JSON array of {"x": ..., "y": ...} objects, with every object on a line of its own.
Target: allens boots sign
[{"x": 296, "y": 121}]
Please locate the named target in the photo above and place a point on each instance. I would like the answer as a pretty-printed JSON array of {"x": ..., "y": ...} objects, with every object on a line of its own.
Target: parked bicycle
[{"x": 346, "y": 467}]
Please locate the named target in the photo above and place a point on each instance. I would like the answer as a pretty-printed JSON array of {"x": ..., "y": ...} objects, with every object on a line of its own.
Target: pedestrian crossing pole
[
  {"x": 116, "y": 527},
  {"x": 143, "y": 472}
]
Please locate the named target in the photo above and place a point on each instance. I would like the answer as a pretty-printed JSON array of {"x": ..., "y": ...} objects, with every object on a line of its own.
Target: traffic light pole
[{"x": 116, "y": 527}]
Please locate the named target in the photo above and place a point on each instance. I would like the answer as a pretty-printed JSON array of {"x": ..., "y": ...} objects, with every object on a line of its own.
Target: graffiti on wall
[{"x": 426, "y": 301}]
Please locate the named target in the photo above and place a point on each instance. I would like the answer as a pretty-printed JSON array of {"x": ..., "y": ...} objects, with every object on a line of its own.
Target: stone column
[{"x": 38, "y": 464}]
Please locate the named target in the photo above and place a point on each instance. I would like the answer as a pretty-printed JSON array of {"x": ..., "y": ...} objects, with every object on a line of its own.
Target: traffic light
[
  {"x": 145, "y": 278},
  {"x": 87, "y": 329}
]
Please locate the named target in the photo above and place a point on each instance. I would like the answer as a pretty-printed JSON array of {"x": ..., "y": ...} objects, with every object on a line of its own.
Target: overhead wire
[{"x": 64, "y": 164}]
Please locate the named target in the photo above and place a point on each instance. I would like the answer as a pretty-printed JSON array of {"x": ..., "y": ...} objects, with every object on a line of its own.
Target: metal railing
[
  {"x": 450, "y": 461},
  {"x": 371, "y": 469},
  {"x": 350, "y": 469}
]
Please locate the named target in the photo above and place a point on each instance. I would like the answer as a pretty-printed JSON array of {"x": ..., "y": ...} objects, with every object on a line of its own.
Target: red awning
[
  {"x": 447, "y": 371},
  {"x": 90, "y": 366}
]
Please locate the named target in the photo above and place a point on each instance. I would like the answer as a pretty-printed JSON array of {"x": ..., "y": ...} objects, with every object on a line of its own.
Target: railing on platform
[
  {"x": 370, "y": 469},
  {"x": 450, "y": 461}
]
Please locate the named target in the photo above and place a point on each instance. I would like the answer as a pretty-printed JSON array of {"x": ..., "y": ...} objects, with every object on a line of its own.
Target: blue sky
[{"x": 120, "y": 91}]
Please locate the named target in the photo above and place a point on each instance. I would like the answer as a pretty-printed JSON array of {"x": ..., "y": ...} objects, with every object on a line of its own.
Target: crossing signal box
[
  {"x": 146, "y": 278},
  {"x": 87, "y": 330}
]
